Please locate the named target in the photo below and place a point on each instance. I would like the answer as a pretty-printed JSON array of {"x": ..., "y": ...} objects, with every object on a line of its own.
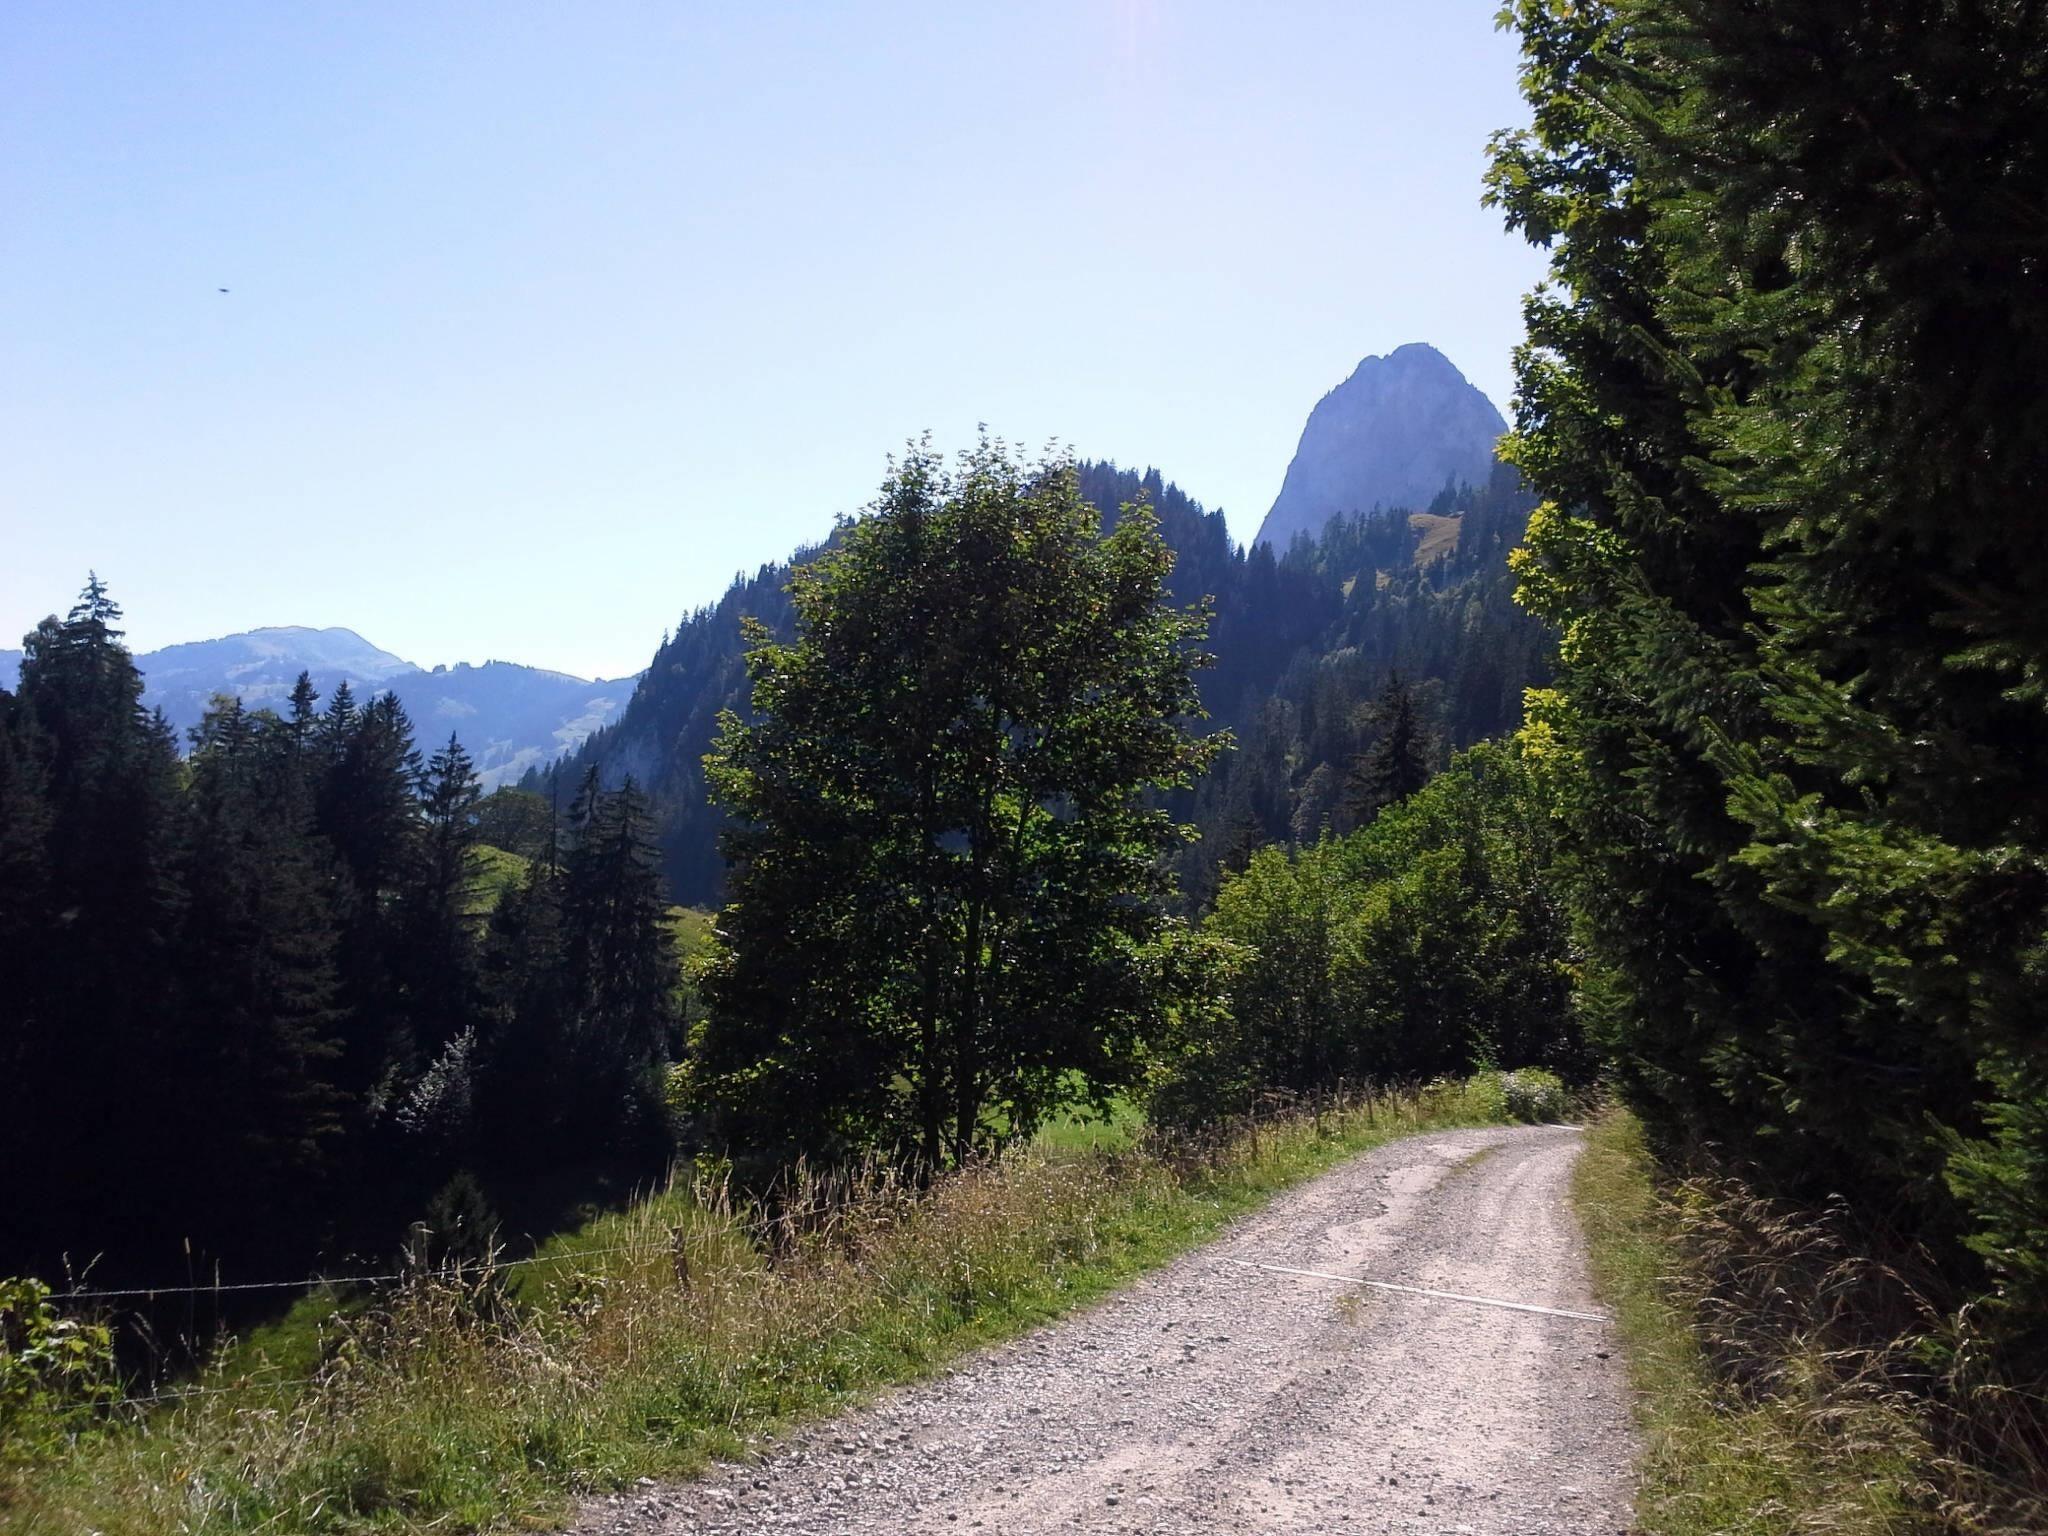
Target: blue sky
[{"x": 543, "y": 320}]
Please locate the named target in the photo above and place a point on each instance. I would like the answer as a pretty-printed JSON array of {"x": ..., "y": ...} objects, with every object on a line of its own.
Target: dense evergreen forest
[
  {"x": 265, "y": 1006},
  {"x": 1304, "y": 642},
  {"x": 1786, "y": 396}
]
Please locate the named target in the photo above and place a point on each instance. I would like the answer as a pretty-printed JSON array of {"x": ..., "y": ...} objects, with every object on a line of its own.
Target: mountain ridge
[{"x": 509, "y": 717}]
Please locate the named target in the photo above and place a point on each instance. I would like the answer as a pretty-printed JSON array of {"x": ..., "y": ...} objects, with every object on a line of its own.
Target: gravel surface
[{"x": 1216, "y": 1397}]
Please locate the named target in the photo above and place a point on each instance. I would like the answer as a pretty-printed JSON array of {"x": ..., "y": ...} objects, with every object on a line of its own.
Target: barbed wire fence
[
  {"x": 1267, "y": 1108},
  {"x": 467, "y": 1272}
]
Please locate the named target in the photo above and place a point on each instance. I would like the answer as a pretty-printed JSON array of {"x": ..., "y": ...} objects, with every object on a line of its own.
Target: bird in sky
[{"x": 223, "y": 290}]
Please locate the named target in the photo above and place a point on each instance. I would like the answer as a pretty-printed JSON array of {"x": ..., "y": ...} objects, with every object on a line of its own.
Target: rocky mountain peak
[{"x": 1392, "y": 435}]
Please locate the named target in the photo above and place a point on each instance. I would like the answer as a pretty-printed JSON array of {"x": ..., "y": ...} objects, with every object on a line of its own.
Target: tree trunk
[{"x": 967, "y": 1042}]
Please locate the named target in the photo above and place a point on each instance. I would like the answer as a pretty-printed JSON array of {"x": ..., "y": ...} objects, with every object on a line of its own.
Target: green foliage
[
  {"x": 1784, "y": 395},
  {"x": 1729, "y": 1457},
  {"x": 493, "y": 874},
  {"x": 517, "y": 821},
  {"x": 946, "y": 879},
  {"x": 1533, "y": 1096},
  {"x": 261, "y": 981},
  {"x": 1398, "y": 763},
  {"x": 459, "y": 1227},
  {"x": 1304, "y": 638},
  {"x": 583, "y": 999},
  {"x": 56, "y": 1373},
  {"x": 1431, "y": 942}
]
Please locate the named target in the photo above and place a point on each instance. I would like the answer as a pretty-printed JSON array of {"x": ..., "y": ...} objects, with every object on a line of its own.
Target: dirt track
[{"x": 1214, "y": 1396}]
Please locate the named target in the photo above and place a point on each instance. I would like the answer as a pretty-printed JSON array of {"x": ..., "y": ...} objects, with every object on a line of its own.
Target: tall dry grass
[
  {"x": 683, "y": 1329},
  {"x": 1797, "y": 1373}
]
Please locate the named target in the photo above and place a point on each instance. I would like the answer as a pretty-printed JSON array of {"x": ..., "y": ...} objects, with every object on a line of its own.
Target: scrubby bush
[
  {"x": 1430, "y": 943},
  {"x": 1532, "y": 1095},
  {"x": 56, "y": 1372}
]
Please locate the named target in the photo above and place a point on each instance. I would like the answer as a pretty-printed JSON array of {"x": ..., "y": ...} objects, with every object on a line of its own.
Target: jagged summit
[{"x": 1392, "y": 435}]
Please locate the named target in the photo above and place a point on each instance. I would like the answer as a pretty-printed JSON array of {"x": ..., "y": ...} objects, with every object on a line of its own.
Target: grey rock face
[{"x": 1391, "y": 435}]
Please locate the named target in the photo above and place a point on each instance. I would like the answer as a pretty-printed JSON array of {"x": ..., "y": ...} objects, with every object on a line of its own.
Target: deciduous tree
[{"x": 947, "y": 878}]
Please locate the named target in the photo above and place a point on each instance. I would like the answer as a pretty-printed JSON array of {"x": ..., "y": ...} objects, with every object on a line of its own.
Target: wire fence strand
[{"x": 451, "y": 1272}]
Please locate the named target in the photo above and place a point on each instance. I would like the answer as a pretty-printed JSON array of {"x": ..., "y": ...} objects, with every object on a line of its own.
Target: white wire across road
[{"x": 1422, "y": 1290}]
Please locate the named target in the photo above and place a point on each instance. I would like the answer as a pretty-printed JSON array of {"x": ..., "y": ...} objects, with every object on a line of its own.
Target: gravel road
[{"x": 1214, "y": 1396}]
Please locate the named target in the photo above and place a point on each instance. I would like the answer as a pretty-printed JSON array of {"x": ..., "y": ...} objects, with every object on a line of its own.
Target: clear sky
[{"x": 543, "y": 320}]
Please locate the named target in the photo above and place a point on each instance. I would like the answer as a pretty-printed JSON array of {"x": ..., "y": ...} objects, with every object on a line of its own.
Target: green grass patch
[
  {"x": 1719, "y": 1460},
  {"x": 1078, "y": 1133},
  {"x": 457, "y": 1407},
  {"x": 691, "y": 928},
  {"x": 493, "y": 872}
]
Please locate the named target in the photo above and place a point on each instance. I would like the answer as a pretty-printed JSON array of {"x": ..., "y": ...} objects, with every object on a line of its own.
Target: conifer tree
[
  {"x": 1784, "y": 395},
  {"x": 618, "y": 957},
  {"x": 439, "y": 917},
  {"x": 524, "y": 1047},
  {"x": 1397, "y": 764},
  {"x": 250, "y": 1100},
  {"x": 108, "y": 827}
]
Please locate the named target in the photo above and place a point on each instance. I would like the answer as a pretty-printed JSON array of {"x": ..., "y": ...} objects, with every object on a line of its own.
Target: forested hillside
[
  {"x": 267, "y": 1005},
  {"x": 1304, "y": 640}
]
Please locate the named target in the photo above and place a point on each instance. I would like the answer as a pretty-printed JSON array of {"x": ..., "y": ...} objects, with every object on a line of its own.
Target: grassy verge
[
  {"x": 1770, "y": 1395},
  {"x": 678, "y": 1331}
]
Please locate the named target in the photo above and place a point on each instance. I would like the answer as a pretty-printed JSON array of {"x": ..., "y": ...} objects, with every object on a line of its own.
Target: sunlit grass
[
  {"x": 1078, "y": 1132},
  {"x": 459, "y": 1406},
  {"x": 1808, "y": 1455}
]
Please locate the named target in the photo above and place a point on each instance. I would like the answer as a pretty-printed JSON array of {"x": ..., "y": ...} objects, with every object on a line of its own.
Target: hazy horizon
[{"x": 540, "y": 327}]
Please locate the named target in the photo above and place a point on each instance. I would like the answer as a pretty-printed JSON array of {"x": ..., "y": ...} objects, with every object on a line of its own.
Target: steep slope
[
  {"x": 660, "y": 738},
  {"x": 510, "y": 717},
  {"x": 1396, "y": 433}
]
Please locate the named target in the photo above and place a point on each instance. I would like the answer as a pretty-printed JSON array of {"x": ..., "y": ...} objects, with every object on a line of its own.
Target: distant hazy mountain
[
  {"x": 260, "y": 668},
  {"x": 1394, "y": 434},
  {"x": 510, "y": 717}
]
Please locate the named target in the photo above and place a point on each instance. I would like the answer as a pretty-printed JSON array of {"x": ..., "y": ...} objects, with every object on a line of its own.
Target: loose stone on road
[{"x": 1216, "y": 1395}]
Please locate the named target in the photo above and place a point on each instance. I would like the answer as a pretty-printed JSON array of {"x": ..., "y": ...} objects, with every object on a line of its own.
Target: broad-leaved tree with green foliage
[
  {"x": 948, "y": 879},
  {"x": 1433, "y": 941}
]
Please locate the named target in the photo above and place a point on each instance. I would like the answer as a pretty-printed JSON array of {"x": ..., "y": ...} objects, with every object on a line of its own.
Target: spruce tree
[
  {"x": 1784, "y": 397},
  {"x": 250, "y": 1098},
  {"x": 1398, "y": 762},
  {"x": 619, "y": 963},
  {"x": 438, "y": 917},
  {"x": 89, "y": 1032}
]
